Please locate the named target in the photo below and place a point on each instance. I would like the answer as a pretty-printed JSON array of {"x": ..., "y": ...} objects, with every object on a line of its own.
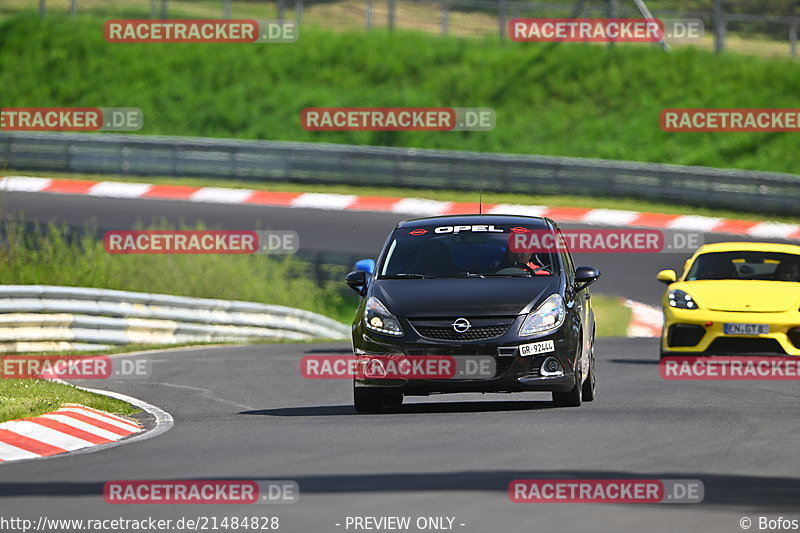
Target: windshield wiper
[{"x": 404, "y": 275}]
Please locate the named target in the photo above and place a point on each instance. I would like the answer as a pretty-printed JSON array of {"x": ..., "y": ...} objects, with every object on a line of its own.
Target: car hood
[
  {"x": 463, "y": 296},
  {"x": 755, "y": 296}
]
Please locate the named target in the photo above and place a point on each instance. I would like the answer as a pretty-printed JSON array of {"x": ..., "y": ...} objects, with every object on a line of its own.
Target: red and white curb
[
  {"x": 72, "y": 427},
  {"x": 646, "y": 320},
  {"x": 405, "y": 206}
]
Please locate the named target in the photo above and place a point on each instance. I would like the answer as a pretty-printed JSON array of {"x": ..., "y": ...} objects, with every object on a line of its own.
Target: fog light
[{"x": 551, "y": 367}]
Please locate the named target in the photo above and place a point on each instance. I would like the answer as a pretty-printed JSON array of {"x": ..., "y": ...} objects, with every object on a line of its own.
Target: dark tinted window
[
  {"x": 746, "y": 265},
  {"x": 424, "y": 252}
]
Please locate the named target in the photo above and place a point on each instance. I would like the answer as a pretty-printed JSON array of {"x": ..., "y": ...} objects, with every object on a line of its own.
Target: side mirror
[
  {"x": 585, "y": 276},
  {"x": 667, "y": 276},
  {"x": 367, "y": 265},
  {"x": 357, "y": 280}
]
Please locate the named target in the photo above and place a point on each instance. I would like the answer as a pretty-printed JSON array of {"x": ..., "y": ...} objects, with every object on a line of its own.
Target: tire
[
  {"x": 368, "y": 402},
  {"x": 573, "y": 397},
  {"x": 588, "y": 392}
]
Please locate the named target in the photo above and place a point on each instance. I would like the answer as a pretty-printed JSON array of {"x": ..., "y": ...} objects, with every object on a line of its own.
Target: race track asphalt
[{"x": 246, "y": 413}]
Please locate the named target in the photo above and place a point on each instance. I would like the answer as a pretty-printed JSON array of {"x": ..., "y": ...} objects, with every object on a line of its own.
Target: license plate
[
  {"x": 746, "y": 329},
  {"x": 536, "y": 348}
]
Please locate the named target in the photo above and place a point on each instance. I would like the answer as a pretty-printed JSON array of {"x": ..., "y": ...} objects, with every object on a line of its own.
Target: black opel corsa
[{"x": 453, "y": 286}]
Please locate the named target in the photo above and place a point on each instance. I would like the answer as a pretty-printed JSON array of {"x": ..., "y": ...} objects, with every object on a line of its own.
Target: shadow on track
[
  {"x": 634, "y": 361},
  {"x": 411, "y": 408},
  {"x": 736, "y": 492}
]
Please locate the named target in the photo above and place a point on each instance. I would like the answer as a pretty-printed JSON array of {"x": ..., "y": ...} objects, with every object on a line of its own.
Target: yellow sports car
[{"x": 734, "y": 298}]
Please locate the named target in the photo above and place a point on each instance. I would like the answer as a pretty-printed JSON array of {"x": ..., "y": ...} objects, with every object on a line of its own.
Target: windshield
[
  {"x": 428, "y": 252},
  {"x": 769, "y": 266}
]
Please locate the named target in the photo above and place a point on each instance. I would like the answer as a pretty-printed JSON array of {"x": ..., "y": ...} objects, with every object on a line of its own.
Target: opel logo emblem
[{"x": 460, "y": 325}]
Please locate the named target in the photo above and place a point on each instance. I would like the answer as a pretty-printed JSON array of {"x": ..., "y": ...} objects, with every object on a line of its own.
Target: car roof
[
  {"x": 748, "y": 247},
  {"x": 453, "y": 220}
]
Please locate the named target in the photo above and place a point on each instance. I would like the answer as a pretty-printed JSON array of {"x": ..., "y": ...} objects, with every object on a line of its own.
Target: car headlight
[
  {"x": 378, "y": 318},
  {"x": 681, "y": 300},
  {"x": 548, "y": 317}
]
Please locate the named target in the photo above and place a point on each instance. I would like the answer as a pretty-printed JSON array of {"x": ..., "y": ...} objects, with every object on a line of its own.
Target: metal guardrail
[
  {"x": 50, "y": 318},
  {"x": 318, "y": 163}
]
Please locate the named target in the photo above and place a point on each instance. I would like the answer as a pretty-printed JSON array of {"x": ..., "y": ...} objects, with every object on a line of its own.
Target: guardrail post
[
  {"x": 369, "y": 15},
  {"x": 719, "y": 27},
  {"x": 502, "y": 17},
  {"x": 793, "y": 37},
  {"x": 392, "y": 13},
  {"x": 444, "y": 18}
]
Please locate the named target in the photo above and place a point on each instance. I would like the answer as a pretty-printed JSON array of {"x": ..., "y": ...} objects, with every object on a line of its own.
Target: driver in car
[{"x": 525, "y": 261}]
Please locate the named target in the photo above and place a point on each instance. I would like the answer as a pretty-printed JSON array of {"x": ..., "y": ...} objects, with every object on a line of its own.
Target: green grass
[
  {"x": 21, "y": 398},
  {"x": 571, "y": 100},
  {"x": 611, "y": 316}
]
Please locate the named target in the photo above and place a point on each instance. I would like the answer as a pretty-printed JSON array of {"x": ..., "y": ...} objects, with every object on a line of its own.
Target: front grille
[
  {"x": 794, "y": 337},
  {"x": 451, "y": 350},
  {"x": 685, "y": 334},
  {"x": 472, "y": 334},
  {"x": 480, "y": 329},
  {"x": 744, "y": 346}
]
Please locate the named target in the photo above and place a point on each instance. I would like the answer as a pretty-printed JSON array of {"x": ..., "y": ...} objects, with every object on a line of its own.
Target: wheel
[
  {"x": 393, "y": 399},
  {"x": 573, "y": 397},
  {"x": 588, "y": 391},
  {"x": 367, "y": 402}
]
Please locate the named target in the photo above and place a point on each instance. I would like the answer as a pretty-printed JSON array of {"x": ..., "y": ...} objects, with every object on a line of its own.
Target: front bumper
[
  {"x": 514, "y": 373},
  {"x": 782, "y": 338}
]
